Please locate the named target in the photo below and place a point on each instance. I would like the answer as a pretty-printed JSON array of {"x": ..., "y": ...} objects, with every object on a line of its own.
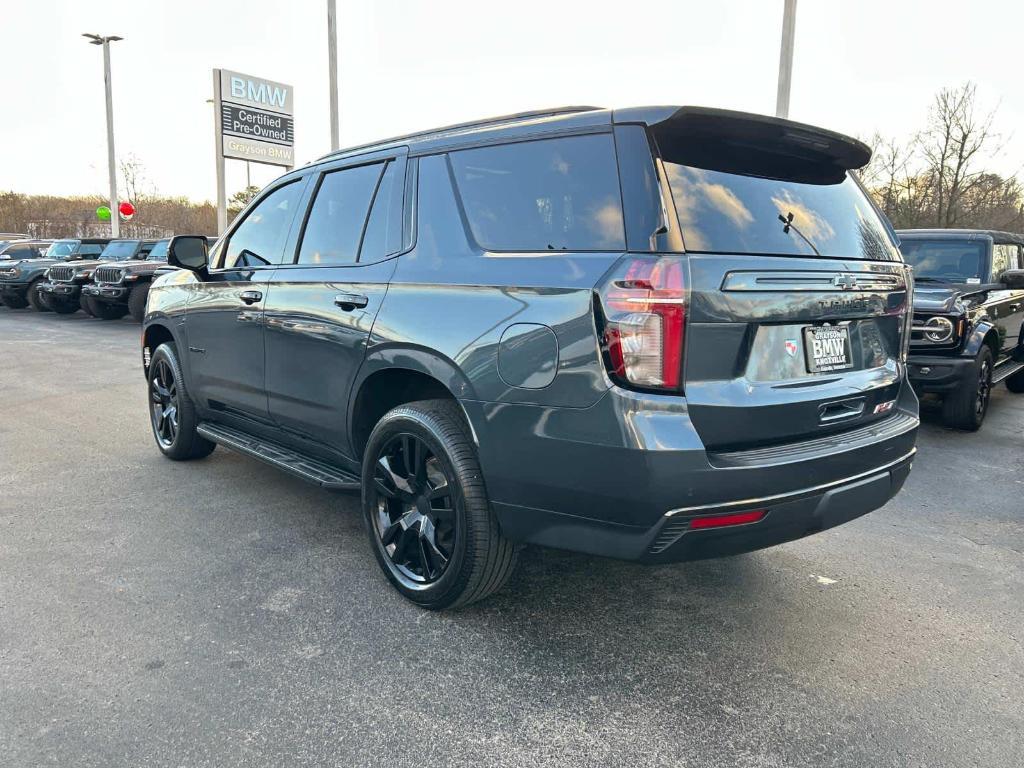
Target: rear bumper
[
  {"x": 113, "y": 293},
  {"x": 934, "y": 373},
  {"x": 626, "y": 477},
  {"x": 789, "y": 516}
]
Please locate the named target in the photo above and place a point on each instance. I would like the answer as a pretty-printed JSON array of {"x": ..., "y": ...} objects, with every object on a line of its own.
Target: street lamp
[{"x": 115, "y": 228}]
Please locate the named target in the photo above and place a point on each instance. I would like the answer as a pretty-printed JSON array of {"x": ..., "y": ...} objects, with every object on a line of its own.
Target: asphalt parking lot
[{"x": 220, "y": 613}]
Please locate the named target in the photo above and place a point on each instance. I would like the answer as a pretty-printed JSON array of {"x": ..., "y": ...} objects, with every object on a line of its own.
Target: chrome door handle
[
  {"x": 251, "y": 297},
  {"x": 350, "y": 301}
]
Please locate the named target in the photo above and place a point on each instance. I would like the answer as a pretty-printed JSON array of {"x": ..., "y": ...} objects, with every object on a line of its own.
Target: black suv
[
  {"x": 20, "y": 282},
  {"x": 121, "y": 287},
  {"x": 62, "y": 289},
  {"x": 656, "y": 334},
  {"x": 968, "y": 331}
]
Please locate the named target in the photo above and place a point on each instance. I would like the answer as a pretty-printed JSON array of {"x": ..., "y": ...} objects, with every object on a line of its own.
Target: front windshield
[
  {"x": 159, "y": 252},
  {"x": 120, "y": 250},
  {"x": 61, "y": 249},
  {"x": 952, "y": 260}
]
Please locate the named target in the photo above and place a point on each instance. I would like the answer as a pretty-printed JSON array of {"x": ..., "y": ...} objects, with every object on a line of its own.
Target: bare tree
[
  {"x": 956, "y": 138},
  {"x": 136, "y": 185}
]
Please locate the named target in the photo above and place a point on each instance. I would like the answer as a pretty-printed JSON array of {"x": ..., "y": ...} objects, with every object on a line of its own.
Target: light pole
[
  {"x": 332, "y": 66},
  {"x": 786, "y": 58},
  {"x": 115, "y": 228}
]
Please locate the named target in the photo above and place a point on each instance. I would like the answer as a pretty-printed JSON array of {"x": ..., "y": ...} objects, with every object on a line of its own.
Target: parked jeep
[
  {"x": 656, "y": 334},
  {"x": 20, "y": 281},
  {"x": 968, "y": 331},
  {"x": 61, "y": 291},
  {"x": 120, "y": 288}
]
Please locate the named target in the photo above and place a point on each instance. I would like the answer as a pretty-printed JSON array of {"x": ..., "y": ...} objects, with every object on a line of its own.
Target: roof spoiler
[{"x": 757, "y": 145}]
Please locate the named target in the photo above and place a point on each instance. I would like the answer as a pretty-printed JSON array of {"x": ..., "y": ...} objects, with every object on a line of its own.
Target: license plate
[{"x": 827, "y": 348}]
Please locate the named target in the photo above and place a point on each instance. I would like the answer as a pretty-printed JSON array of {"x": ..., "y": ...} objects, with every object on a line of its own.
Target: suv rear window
[
  {"x": 546, "y": 195},
  {"x": 723, "y": 212}
]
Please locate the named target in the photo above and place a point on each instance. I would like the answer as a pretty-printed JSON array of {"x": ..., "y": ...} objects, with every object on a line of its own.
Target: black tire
[
  {"x": 460, "y": 556},
  {"x": 62, "y": 306},
  {"x": 14, "y": 301},
  {"x": 965, "y": 407},
  {"x": 106, "y": 311},
  {"x": 1015, "y": 383},
  {"x": 174, "y": 432},
  {"x": 137, "y": 302},
  {"x": 34, "y": 297},
  {"x": 88, "y": 305}
]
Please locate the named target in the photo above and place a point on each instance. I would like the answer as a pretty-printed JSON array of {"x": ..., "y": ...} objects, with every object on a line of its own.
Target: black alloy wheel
[
  {"x": 984, "y": 388},
  {"x": 414, "y": 510},
  {"x": 163, "y": 406},
  {"x": 965, "y": 407}
]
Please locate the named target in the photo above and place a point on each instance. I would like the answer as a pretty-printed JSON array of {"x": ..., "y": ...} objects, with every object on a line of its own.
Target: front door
[
  {"x": 225, "y": 311},
  {"x": 321, "y": 309}
]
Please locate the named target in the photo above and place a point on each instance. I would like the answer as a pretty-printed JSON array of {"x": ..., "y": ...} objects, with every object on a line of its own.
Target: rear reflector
[{"x": 722, "y": 521}]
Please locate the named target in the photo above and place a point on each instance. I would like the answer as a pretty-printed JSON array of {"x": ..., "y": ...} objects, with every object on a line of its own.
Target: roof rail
[{"x": 539, "y": 113}]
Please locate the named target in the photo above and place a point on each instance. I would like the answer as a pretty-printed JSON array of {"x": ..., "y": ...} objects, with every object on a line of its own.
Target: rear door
[
  {"x": 798, "y": 295},
  {"x": 322, "y": 307}
]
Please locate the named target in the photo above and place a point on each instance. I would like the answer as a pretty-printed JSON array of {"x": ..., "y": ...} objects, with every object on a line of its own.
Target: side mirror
[
  {"x": 187, "y": 252},
  {"x": 1013, "y": 278}
]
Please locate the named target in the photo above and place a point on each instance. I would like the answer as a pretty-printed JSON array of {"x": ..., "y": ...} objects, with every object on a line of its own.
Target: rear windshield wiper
[{"x": 787, "y": 224}]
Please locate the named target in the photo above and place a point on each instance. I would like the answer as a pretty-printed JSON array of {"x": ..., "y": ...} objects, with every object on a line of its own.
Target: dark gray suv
[{"x": 656, "y": 334}]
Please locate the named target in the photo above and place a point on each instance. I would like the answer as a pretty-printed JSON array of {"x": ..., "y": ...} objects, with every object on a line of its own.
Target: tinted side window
[
  {"x": 384, "y": 228},
  {"x": 260, "y": 239},
  {"x": 90, "y": 249},
  {"x": 335, "y": 223},
  {"x": 546, "y": 195}
]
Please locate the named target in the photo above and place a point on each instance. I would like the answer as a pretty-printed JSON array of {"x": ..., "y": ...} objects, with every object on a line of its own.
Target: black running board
[
  {"x": 313, "y": 470},
  {"x": 1005, "y": 371}
]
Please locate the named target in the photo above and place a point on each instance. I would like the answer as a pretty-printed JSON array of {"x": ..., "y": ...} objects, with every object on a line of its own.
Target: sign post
[{"x": 253, "y": 121}]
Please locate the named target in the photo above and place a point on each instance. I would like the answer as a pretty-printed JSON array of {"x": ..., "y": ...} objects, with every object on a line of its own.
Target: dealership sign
[{"x": 254, "y": 119}]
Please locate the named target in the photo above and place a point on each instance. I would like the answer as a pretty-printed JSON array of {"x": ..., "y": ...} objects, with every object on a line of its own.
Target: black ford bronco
[{"x": 968, "y": 317}]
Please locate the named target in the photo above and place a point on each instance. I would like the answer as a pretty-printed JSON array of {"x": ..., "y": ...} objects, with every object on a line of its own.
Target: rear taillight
[{"x": 644, "y": 321}]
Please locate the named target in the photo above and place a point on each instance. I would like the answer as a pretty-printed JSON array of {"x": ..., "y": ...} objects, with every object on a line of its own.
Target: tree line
[{"x": 940, "y": 176}]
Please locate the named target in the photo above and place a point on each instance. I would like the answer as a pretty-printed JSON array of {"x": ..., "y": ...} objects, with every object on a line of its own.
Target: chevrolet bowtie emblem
[{"x": 846, "y": 282}]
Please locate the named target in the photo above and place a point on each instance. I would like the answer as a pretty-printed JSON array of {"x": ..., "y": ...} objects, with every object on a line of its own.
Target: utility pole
[
  {"x": 115, "y": 223},
  {"x": 218, "y": 144},
  {"x": 332, "y": 66},
  {"x": 786, "y": 58}
]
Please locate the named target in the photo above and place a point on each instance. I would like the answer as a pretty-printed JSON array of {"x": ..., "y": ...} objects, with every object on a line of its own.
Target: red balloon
[{"x": 126, "y": 209}]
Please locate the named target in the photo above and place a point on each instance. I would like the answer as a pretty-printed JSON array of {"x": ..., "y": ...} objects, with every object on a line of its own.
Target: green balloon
[{"x": 103, "y": 213}]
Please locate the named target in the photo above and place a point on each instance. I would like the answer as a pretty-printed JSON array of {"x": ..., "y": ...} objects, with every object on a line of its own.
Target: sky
[{"x": 860, "y": 66}]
